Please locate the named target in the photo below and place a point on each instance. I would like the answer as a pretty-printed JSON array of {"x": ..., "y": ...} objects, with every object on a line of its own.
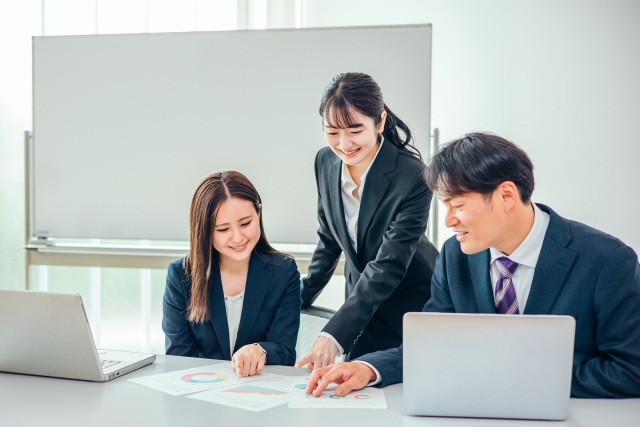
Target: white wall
[
  {"x": 18, "y": 22},
  {"x": 558, "y": 77},
  {"x": 561, "y": 78}
]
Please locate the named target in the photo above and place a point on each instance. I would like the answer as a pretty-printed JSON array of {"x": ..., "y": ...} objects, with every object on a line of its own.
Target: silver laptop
[
  {"x": 487, "y": 365},
  {"x": 48, "y": 334}
]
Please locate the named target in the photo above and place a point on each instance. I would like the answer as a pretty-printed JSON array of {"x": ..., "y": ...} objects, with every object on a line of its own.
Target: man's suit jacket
[
  {"x": 581, "y": 272},
  {"x": 270, "y": 312},
  {"x": 390, "y": 273}
]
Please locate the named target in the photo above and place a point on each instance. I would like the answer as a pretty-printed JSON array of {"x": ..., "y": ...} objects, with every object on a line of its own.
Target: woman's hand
[
  {"x": 248, "y": 361},
  {"x": 323, "y": 353}
]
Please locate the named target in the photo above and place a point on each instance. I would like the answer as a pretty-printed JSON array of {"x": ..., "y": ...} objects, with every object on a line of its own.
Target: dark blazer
[
  {"x": 270, "y": 312},
  {"x": 581, "y": 272},
  {"x": 391, "y": 272}
]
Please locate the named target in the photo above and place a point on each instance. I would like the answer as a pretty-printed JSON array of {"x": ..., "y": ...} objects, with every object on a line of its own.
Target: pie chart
[{"x": 204, "y": 377}]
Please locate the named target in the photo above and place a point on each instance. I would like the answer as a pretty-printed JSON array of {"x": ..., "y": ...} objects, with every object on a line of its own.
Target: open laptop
[
  {"x": 48, "y": 334},
  {"x": 487, "y": 365}
]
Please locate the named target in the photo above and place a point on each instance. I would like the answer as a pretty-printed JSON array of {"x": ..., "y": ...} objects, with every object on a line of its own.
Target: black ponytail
[
  {"x": 391, "y": 133},
  {"x": 360, "y": 92}
]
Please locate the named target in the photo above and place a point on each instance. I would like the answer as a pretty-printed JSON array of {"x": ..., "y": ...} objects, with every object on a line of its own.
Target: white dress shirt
[
  {"x": 233, "y": 306},
  {"x": 351, "y": 213},
  {"x": 526, "y": 255}
]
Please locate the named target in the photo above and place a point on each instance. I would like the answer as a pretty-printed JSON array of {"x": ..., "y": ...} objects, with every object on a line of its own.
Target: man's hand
[
  {"x": 248, "y": 361},
  {"x": 349, "y": 375},
  {"x": 323, "y": 353}
]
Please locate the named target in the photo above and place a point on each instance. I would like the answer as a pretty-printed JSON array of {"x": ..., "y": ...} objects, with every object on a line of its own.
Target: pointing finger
[
  {"x": 302, "y": 362},
  {"x": 330, "y": 377},
  {"x": 313, "y": 379}
]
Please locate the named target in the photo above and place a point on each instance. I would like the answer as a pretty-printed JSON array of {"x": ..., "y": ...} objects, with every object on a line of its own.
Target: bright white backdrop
[{"x": 557, "y": 77}]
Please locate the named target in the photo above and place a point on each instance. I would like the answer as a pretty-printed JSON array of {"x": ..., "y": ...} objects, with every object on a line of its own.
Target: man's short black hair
[{"x": 479, "y": 163}]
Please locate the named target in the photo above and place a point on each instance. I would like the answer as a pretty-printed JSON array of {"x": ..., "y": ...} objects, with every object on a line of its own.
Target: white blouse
[
  {"x": 351, "y": 213},
  {"x": 349, "y": 202},
  {"x": 233, "y": 305}
]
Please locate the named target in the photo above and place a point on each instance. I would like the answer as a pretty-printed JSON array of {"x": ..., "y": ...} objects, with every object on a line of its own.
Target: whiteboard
[{"x": 126, "y": 126}]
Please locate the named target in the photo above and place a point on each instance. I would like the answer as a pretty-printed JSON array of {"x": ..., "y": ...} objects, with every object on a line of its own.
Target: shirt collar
[
  {"x": 529, "y": 250},
  {"x": 346, "y": 176}
]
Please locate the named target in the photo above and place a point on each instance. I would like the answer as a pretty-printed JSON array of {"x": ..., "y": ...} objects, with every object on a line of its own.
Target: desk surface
[{"x": 33, "y": 401}]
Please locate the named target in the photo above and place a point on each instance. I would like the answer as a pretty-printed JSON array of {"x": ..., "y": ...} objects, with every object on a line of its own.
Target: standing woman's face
[
  {"x": 358, "y": 142},
  {"x": 237, "y": 230}
]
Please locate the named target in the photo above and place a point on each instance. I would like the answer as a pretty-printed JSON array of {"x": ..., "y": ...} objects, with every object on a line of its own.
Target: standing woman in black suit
[{"x": 373, "y": 206}]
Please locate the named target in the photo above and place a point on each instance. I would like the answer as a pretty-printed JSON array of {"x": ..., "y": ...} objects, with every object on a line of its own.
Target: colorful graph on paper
[
  {"x": 204, "y": 377},
  {"x": 252, "y": 389}
]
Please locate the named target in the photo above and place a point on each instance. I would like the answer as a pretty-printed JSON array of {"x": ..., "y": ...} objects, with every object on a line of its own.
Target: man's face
[{"x": 479, "y": 221}]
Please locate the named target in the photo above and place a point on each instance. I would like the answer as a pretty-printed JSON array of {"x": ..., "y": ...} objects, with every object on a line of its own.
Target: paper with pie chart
[
  {"x": 367, "y": 398},
  {"x": 195, "y": 380},
  {"x": 255, "y": 396},
  {"x": 299, "y": 384}
]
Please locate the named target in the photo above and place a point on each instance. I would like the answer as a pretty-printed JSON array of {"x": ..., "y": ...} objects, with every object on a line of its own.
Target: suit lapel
[
  {"x": 481, "y": 278},
  {"x": 375, "y": 186},
  {"x": 553, "y": 266},
  {"x": 218, "y": 312},
  {"x": 337, "y": 212},
  {"x": 258, "y": 280}
]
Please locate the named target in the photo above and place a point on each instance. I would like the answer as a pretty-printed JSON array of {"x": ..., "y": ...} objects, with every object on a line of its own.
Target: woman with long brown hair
[{"x": 233, "y": 297}]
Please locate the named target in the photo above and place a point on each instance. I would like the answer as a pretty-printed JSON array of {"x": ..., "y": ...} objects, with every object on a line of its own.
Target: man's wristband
[{"x": 264, "y": 352}]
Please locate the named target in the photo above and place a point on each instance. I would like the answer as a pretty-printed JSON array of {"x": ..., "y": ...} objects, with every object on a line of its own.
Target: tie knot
[{"x": 506, "y": 266}]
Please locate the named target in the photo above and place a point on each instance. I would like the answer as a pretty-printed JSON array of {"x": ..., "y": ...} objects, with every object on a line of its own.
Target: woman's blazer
[
  {"x": 270, "y": 312},
  {"x": 391, "y": 272}
]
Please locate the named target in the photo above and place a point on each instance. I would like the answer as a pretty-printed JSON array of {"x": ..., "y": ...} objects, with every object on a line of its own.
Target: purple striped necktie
[{"x": 505, "y": 298}]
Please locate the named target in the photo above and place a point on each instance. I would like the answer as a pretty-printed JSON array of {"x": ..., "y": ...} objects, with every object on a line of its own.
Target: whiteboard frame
[{"x": 34, "y": 241}]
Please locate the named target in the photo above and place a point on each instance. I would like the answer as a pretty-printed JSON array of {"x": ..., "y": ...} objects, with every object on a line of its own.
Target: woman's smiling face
[
  {"x": 237, "y": 230},
  {"x": 358, "y": 141}
]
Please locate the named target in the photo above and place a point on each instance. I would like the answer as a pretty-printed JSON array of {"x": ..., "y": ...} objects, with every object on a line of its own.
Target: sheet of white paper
[
  {"x": 195, "y": 380},
  {"x": 255, "y": 396},
  {"x": 367, "y": 398},
  {"x": 299, "y": 384}
]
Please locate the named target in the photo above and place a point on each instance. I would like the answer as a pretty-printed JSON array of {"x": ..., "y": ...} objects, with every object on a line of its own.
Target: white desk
[{"x": 37, "y": 401}]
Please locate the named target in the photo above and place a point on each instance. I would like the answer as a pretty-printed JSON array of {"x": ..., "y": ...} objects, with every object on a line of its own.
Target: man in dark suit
[{"x": 512, "y": 256}]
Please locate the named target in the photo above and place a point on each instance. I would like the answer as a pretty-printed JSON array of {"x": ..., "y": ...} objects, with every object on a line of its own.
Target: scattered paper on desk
[
  {"x": 195, "y": 380},
  {"x": 298, "y": 384},
  {"x": 255, "y": 396},
  {"x": 367, "y": 398}
]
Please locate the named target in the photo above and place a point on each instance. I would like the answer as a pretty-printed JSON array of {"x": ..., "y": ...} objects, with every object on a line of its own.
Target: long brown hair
[{"x": 210, "y": 194}]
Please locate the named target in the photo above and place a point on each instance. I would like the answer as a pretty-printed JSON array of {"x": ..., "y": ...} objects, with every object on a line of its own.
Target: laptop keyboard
[{"x": 108, "y": 363}]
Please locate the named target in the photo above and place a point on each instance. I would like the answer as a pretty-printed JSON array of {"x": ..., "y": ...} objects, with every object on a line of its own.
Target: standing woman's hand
[
  {"x": 323, "y": 353},
  {"x": 248, "y": 361}
]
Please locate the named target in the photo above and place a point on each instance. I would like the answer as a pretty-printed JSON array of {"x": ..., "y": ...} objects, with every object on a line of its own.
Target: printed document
[{"x": 195, "y": 380}]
